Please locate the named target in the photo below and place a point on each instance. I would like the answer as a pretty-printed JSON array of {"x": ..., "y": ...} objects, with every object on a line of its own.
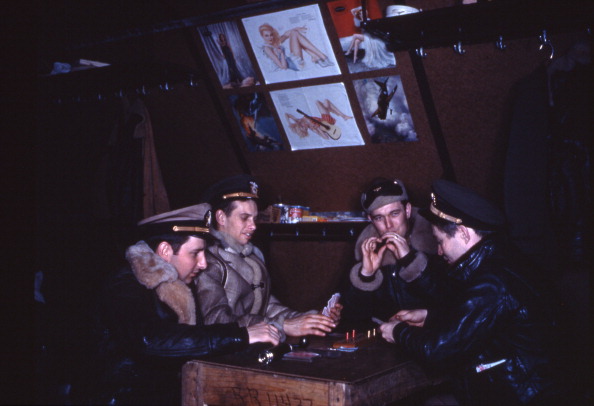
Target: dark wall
[{"x": 197, "y": 143}]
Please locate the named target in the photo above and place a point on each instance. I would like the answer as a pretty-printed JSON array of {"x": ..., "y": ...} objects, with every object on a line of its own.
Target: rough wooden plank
[
  {"x": 230, "y": 386},
  {"x": 337, "y": 393},
  {"x": 190, "y": 385}
]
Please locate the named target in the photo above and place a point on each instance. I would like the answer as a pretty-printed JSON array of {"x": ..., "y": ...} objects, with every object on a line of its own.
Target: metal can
[{"x": 296, "y": 213}]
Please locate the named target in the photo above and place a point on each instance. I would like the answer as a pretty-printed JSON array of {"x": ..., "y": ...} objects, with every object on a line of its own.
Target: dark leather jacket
[
  {"x": 488, "y": 312},
  {"x": 142, "y": 344},
  {"x": 396, "y": 285}
]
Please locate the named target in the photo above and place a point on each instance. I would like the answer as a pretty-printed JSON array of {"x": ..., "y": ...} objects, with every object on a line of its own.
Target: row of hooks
[
  {"x": 142, "y": 90},
  {"x": 543, "y": 39}
]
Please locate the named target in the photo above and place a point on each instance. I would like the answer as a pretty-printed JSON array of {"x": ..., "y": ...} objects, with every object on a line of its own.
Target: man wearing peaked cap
[
  {"x": 457, "y": 204},
  {"x": 392, "y": 253},
  {"x": 193, "y": 220},
  {"x": 238, "y": 187},
  {"x": 489, "y": 326},
  {"x": 147, "y": 314},
  {"x": 235, "y": 287}
]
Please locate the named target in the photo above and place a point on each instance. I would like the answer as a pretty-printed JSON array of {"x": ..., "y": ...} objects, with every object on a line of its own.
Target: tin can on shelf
[{"x": 296, "y": 213}]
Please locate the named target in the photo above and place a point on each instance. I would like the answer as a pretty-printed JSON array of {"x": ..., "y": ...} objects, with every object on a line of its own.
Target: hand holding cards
[{"x": 331, "y": 303}]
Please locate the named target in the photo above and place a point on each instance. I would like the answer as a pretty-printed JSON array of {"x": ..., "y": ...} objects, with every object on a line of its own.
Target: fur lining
[
  {"x": 368, "y": 286},
  {"x": 421, "y": 238},
  {"x": 154, "y": 272}
]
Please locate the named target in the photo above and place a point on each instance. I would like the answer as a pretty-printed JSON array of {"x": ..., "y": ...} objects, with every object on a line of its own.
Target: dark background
[{"x": 76, "y": 243}]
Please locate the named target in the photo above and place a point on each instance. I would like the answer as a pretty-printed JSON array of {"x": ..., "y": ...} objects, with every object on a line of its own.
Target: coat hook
[
  {"x": 499, "y": 43},
  {"x": 544, "y": 41},
  {"x": 420, "y": 52},
  {"x": 142, "y": 90},
  {"x": 165, "y": 86},
  {"x": 458, "y": 48}
]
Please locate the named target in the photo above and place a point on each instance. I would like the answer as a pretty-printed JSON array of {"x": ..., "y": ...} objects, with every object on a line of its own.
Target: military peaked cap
[
  {"x": 232, "y": 188},
  {"x": 193, "y": 220},
  {"x": 459, "y": 205}
]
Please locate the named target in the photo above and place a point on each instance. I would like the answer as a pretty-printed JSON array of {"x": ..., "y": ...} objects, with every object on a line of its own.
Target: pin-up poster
[
  {"x": 228, "y": 55},
  {"x": 385, "y": 109},
  {"x": 257, "y": 125},
  {"x": 317, "y": 116},
  {"x": 291, "y": 44},
  {"x": 362, "y": 51}
]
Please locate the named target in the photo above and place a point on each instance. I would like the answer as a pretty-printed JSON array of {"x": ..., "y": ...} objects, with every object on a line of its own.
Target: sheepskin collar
[
  {"x": 419, "y": 236},
  {"x": 231, "y": 245},
  {"x": 154, "y": 272}
]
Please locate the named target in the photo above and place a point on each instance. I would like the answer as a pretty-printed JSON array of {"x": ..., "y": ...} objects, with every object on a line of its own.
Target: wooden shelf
[
  {"x": 482, "y": 22},
  {"x": 323, "y": 231}
]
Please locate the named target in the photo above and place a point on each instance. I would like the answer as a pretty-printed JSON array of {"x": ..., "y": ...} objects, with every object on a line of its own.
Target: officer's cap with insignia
[
  {"x": 239, "y": 187},
  {"x": 192, "y": 221},
  {"x": 457, "y": 204}
]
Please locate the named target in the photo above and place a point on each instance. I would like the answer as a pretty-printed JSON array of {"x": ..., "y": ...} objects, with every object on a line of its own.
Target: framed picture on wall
[
  {"x": 363, "y": 52},
  {"x": 317, "y": 116},
  {"x": 291, "y": 44},
  {"x": 257, "y": 125},
  {"x": 228, "y": 55},
  {"x": 385, "y": 109}
]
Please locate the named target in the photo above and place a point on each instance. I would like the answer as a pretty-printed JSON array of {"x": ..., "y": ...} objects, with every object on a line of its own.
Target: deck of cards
[{"x": 331, "y": 302}]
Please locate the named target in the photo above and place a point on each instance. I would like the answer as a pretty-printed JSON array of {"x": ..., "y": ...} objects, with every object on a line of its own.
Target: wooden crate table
[{"x": 376, "y": 374}]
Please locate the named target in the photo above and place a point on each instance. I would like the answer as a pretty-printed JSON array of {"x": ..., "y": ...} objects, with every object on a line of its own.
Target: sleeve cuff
[
  {"x": 365, "y": 278},
  {"x": 366, "y": 283}
]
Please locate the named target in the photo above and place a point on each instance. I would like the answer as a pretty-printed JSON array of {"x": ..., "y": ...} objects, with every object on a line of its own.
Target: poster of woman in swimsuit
[
  {"x": 257, "y": 125},
  {"x": 228, "y": 55},
  {"x": 291, "y": 44},
  {"x": 362, "y": 51},
  {"x": 317, "y": 117},
  {"x": 385, "y": 109}
]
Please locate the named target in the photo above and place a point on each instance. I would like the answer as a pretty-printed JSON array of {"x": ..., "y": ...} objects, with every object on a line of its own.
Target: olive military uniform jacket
[
  {"x": 395, "y": 285},
  {"x": 235, "y": 287}
]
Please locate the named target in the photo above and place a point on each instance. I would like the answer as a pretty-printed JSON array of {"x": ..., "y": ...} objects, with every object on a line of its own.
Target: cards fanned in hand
[{"x": 331, "y": 302}]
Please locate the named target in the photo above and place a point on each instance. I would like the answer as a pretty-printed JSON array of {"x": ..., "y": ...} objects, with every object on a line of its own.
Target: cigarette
[{"x": 377, "y": 321}]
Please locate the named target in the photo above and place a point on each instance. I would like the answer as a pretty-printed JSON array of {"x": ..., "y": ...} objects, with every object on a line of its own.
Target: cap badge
[
  {"x": 254, "y": 187},
  {"x": 208, "y": 218}
]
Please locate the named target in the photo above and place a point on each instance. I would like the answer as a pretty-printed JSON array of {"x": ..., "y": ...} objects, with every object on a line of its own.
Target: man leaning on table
[
  {"x": 491, "y": 328},
  {"x": 235, "y": 287},
  {"x": 392, "y": 253},
  {"x": 148, "y": 324}
]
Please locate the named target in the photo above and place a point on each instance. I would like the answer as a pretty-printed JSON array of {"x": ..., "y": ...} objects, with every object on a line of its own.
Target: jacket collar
[
  {"x": 468, "y": 263},
  {"x": 231, "y": 245},
  {"x": 156, "y": 274},
  {"x": 150, "y": 269}
]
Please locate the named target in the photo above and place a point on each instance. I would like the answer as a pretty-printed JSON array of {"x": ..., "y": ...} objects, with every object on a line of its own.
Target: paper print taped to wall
[
  {"x": 362, "y": 51},
  {"x": 228, "y": 55},
  {"x": 257, "y": 125},
  {"x": 317, "y": 116},
  {"x": 385, "y": 109},
  {"x": 291, "y": 44}
]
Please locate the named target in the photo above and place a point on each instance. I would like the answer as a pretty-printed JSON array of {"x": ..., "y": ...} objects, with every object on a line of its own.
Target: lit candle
[
  {"x": 368, "y": 333},
  {"x": 347, "y": 336}
]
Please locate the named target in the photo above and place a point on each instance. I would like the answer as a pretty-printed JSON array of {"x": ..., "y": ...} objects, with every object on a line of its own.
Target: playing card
[{"x": 331, "y": 302}]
